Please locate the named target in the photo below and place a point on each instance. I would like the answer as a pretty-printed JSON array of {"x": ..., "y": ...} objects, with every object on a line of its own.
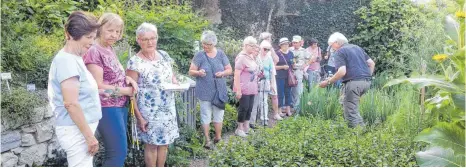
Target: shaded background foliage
[
  {"x": 395, "y": 33},
  {"x": 318, "y": 19},
  {"x": 398, "y": 35},
  {"x": 308, "y": 18}
]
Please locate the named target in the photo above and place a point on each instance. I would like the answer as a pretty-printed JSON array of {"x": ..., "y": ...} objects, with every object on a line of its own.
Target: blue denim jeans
[
  {"x": 112, "y": 127},
  {"x": 284, "y": 92}
]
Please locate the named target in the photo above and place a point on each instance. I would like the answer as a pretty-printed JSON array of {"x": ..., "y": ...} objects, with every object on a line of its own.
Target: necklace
[{"x": 150, "y": 59}]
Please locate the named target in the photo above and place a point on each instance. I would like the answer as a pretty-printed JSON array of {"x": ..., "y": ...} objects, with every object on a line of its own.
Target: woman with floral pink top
[
  {"x": 104, "y": 66},
  {"x": 245, "y": 83}
]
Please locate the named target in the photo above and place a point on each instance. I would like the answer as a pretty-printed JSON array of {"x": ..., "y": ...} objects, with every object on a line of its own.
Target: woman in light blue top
[
  {"x": 73, "y": 92},
  {"x": 267, "y": 67}
]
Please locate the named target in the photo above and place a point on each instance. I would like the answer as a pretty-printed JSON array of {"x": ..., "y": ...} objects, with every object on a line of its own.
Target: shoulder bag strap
[
  {"x": 286, "y": 62},
  {"x": 212, "y": 68}
]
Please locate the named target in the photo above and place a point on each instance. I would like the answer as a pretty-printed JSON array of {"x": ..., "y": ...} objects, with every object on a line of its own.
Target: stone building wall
[{"x": 31, "y": 144}]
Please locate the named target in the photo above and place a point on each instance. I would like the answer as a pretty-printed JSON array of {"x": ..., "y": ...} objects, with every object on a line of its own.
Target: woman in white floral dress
[{"x": 155, "y": 108}]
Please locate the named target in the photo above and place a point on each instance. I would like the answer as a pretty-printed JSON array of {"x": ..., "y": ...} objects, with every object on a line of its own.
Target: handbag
[
  {"x": 292, "y": 80},
  {"x": 219, "y": 99}
]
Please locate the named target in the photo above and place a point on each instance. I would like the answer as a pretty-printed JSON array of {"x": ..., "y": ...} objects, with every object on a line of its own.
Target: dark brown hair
[
  {"x": 313, "y": 41},
  {"x": 80, "y": 24}
]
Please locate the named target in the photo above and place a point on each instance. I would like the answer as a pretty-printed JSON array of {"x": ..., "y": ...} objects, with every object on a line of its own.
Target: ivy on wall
[
  {"x": 318, "y": 19},
  {"x": 398, "y": 35},
  {"x": 308, "y": 18}
]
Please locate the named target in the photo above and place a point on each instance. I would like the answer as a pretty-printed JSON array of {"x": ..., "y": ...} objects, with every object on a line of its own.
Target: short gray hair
[
  {"x": 146, "y": 27},
  {"x": 265, "y": 35},
  {"x": 209, "y": 37},
  {"x": 338, "y": 38},
  {"x": 250, "y": 40}
]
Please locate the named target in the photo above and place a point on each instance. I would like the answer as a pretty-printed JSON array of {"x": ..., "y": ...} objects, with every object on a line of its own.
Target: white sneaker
[
  {"x": 277, "y": 117},
  {"x": 240, "y": 133}
]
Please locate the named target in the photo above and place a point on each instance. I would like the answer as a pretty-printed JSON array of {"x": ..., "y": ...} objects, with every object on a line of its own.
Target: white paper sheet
[{"x": 174, "y": 87}]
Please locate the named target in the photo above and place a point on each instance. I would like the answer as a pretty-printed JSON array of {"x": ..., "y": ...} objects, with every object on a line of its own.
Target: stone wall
[{"x": 30, "y": 144}]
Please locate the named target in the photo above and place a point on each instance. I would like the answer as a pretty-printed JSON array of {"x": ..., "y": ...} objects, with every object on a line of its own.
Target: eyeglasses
[
  {"x": 204, "y": 44},
  {"x": 149, "y": 39},
  {"x": 266, "y": 49},
  {"x": 252, "y": 45}
]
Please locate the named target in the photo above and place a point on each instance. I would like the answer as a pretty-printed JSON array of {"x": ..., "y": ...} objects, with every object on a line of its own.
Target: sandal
[
  {"x": 208, "y": 145},
  {"x": 217, "y": 141}
]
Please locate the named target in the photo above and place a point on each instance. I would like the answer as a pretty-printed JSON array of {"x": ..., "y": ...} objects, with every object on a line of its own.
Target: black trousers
[{"x": 245, "y": 107}]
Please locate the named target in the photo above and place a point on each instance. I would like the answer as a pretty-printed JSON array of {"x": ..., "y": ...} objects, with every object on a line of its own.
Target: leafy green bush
[
  {"x": 178, "y": 27},
  {"x": 18, "y": 107},
  {"x": 32, "y": 33},
  {"x": 395, "y": 34},
  {"x": 306, "y": 142},
  {"x": 229, "y": 120},
  {"x": 447, "y": 107},
  {"x": 29, "y": 59},
  {"x": 23, "y": 18}
]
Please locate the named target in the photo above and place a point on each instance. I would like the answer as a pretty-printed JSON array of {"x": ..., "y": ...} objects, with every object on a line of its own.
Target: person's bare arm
[
  {"x": 371, "y": 65},
  {"x": 195, "y": 71},
  {"x": 98, "y": 73},
  {"x": 237, "y": 83},
  {"x": 226, "y": 72},
  {"x": 141, "y": 121},
  {"x": 274, "y": 57},
  {"x": 341, "y": 72},
  {"x": 70, "y": 91},
  {"x": 272, "y": 78}
]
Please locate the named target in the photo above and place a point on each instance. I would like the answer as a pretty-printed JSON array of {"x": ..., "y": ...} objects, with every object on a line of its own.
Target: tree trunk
[
  {"x": 210, "y": 9},
  {"x": 270, "y": 17}
]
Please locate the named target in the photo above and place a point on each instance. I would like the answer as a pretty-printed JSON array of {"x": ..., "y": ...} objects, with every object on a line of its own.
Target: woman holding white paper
[{"x": 155, "y": 107}]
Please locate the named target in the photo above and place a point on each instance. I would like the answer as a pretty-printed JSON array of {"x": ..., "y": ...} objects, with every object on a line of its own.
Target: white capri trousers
[
  {"x": 207, "y": 109},
  {"x": 73, "y": 142}
]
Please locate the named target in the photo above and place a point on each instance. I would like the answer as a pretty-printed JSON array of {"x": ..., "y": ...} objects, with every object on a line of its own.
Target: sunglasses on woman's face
[{"x": 266, "y": 49}]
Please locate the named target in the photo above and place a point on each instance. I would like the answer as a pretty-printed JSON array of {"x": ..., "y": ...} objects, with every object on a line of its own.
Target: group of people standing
[{"x": 89, "y": 89}]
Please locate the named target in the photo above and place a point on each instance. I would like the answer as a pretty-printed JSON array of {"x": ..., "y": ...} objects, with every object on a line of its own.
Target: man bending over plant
[{"x": 356, "y": 68}]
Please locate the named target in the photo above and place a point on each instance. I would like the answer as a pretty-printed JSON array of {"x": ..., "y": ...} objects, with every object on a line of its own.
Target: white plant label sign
[
  {"x": 31, "y": 87},
  {"x": 6, "y": 76}
]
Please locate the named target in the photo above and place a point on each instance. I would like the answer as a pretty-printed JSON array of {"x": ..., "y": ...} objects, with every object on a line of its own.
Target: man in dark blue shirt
[{"x": 356, "y": 68}]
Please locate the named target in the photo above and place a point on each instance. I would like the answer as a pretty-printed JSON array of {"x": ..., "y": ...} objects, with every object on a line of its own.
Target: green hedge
[
  {"x": 398, "y": 35},
  {"x": 32, "y": 32}
]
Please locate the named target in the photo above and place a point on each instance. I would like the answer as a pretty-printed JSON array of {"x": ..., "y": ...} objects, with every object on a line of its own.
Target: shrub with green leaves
[
  {"x": 397, "y": 34},
  {"x": 177, "y": 25},
  {"x": 446, "y": 138},
  {"x": 18, "y": 107},
  {"x": 313, "y": 142}
]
